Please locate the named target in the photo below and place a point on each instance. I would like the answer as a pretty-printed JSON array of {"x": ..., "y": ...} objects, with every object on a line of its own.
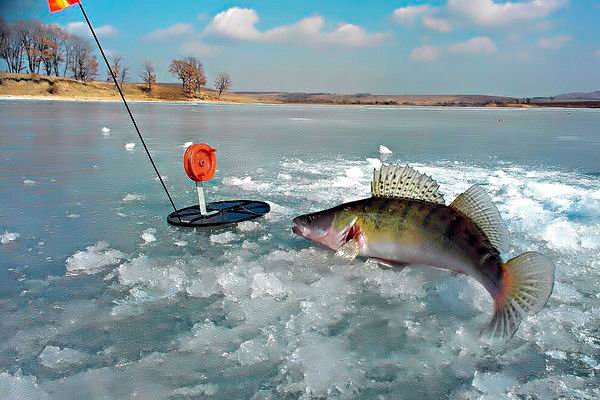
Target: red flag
[{"x": 57, "y": 5}]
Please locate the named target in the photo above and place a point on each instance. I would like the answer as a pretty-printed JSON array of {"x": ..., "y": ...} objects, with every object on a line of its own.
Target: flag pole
[{"x": 128, "y": 110}]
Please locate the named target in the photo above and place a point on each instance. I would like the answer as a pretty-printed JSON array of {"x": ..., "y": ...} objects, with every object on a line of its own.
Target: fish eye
[{"x": 310, "y": 218}]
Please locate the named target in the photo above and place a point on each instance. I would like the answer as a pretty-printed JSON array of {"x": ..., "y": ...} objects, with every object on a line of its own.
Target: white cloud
[
  {"x": 491, "y": 13},
  {"x": 437, "y": 24},
  {"x": 478, "y": 45},
  {"x": 173, "y": 31},
  {"x": 197, "y": 47},
  {"x": 80, "y": 28},
  {"x": 408, "y": 15},
  {"x": 425, "y": 54},
  {"x": 554, "y": 42},
  {"x": 240, "y": 24}
]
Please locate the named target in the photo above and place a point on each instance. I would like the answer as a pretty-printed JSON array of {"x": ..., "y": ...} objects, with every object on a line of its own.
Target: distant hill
[{"x": 580, "y": 96}]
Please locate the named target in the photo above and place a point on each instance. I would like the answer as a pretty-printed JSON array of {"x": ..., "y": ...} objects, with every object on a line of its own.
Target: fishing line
[{"x": 129, "y": 111}]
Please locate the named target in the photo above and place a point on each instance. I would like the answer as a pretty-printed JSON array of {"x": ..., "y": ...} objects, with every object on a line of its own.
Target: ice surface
[
  {"x": 129, "y": 146},
  {"x": 252, "y": 311},
  {"x": 93, "y": 259},
  {"x": 8, "y": 237}
]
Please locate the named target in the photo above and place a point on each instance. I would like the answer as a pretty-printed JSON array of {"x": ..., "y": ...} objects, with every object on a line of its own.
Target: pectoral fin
[{"x": 349, "y": 250}]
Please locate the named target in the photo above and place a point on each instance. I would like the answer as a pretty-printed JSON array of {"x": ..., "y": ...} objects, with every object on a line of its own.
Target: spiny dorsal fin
[
  {"x": 476, "y": 204},
  {"x": 395, "y": 181}
]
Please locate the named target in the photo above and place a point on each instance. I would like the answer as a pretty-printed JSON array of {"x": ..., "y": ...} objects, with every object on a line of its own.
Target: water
[{"x": 100, "y": 298}]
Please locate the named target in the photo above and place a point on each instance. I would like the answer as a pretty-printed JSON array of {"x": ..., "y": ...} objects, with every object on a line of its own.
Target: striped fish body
[
  {"x": 407, "y": 222},
  {"x": 416, "y": 232}
]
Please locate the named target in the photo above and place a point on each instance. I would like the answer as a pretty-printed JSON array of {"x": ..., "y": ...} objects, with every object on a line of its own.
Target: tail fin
[{"x": 527, "y": 282}]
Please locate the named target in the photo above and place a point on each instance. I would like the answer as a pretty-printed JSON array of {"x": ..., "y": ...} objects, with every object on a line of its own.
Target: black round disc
[{"x": 229, "y": 212}]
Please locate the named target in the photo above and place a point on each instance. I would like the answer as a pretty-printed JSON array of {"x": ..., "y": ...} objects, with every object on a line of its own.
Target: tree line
[
  {"x": 33, "y": 47},
  {"x": 29, "y": 46}
]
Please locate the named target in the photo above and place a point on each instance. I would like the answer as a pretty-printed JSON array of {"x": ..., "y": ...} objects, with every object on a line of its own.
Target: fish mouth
[{"x": 297, "y": 230}]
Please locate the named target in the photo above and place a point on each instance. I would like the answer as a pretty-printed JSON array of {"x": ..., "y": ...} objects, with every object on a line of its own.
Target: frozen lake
[{"x": 101, "y": 299}]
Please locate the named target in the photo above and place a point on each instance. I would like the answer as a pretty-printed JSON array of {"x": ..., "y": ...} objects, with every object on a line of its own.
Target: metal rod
[
  {"x": 201, "y": 201},
  {"x": 129, "y": 111}
]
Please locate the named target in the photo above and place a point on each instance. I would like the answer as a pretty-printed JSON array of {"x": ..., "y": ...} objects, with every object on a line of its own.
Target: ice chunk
[
  {"x": 20, "y": 387},
  {"x": 105, "y": 130},
  {"x": 384, "y": 150},
  {"x": 246, "y": 183},
  {"x": 233, "y": 286},
  {"x": 375, "y": 162},
  {"x": 247, "y": 226},
  {"x": 267, "y": 284},
  {"x": 29, "y": 182},
  {"x": 354, "y": 172},
  {"x": 148, "y": 235},
  {"x": 494, "y": 384},
  {"x": 203, "y": 287},
  {"x": 187, "y": 144},
  {"x": 251, "y": 352},
  {"x": 54, "y": 357},
  {"x": 8, "y": 237},
  {"x": 224, "y": 237},
  {"x": 181, "y": 243},
  {"x": 93, "y": 260},
  {"x": 557, "y": 354},
  {"x": 133, "y": 197},
  {"x": 201, "y": 390},
  {"x": 129, "y": 146}
]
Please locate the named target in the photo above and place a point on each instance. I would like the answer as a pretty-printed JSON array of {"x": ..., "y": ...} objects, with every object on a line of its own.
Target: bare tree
[
  {"x": 222, "y": 83},
  {"x": 29, "y": 33},
  {"x": 191, "y": 73},
  {"x": 49, "y": 48},
  {"x": 148, "y": 75},
  {"x": 116, "y": 62},
  {"x": 84, "y": 65},
  {"x": 123, "y": 75},
  {"x": 11, "y": 48}
]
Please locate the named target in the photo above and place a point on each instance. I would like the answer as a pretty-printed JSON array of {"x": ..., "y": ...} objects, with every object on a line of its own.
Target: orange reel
[{"x": 200, "y": 162}]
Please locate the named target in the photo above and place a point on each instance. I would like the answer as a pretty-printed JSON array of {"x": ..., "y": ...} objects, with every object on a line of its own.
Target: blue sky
[{"x": 516, "y": 48}]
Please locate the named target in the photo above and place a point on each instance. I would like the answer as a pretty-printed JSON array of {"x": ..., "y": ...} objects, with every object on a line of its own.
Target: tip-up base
[{"x": 219, "y": 213}]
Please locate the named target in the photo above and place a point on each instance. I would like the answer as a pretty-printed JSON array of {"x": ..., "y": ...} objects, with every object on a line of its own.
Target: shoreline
[{"x": 5, "y": 97}]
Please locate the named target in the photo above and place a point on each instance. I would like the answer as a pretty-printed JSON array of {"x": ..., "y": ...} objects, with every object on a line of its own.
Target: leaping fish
[{"x": 406, "y": 222}]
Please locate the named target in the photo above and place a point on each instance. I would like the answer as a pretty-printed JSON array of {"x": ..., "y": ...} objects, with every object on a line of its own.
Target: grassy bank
[{"x": 50, "y": 87}]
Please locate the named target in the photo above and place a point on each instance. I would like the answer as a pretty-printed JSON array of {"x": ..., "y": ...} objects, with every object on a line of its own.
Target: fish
[{"x": 406, "y": 222}]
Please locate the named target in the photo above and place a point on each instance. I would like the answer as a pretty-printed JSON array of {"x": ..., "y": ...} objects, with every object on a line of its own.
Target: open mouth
[{"x": 297, "y": 230}]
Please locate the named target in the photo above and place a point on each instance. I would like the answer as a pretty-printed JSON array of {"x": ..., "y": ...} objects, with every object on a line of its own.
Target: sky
[{"x": 516, "y": 48}]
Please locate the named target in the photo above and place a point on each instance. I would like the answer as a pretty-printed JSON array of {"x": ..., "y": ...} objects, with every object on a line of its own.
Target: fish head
[{"x": 329, "y": 228}]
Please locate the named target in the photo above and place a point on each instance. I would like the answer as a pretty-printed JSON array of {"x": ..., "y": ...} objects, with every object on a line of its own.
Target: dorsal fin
[
  {"x": 395, "y": 181},
  {"x": 476, "y": 204}
]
